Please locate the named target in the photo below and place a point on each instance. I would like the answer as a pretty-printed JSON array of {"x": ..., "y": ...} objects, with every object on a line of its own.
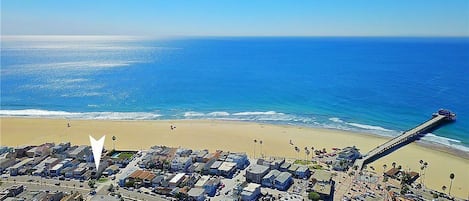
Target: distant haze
[{"x": 236, "y": 18}]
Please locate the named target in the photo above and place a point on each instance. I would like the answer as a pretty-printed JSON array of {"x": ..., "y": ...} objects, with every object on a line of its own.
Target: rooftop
[
  {"x": 251, "y": 187},
  {"x": 321, "y": 188},
  {"x": 272, "y": 173},
  {"x": 322, "y": 175},
  {"x": 227, "y": 166},
  {"x": 283, "y": 177},
  {"x": 257, "y": 169},
  {"x": 143, "y": 175},
  {"x": 176, "y": 178},
  {"x": 196, "y": 192}
]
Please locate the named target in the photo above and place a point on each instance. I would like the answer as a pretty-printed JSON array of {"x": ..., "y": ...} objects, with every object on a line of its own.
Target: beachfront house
[
  {"x": 285, "y": 166},
  {"x": 196, "y": 194},
  {"x": 255, "y": 173},
  {"x": 181, "y": 164},
  {"x": 16, "y": 168},
  {"x": 183, "y": 152},
  {"x": 241, "y": 159},
  {"x": 269, "y": 179},
  {"x": 80, "y": 153},
  {"x": 292, "y": 169},
  {"x": 345, "y": 158},
  {"x": 302, "y": 172},
  {"x": 6, "y": 162},
  {"x": 272, "y": 162},
  {"x": 283, "y": 181},
  {"x": 251, "y": 192}
]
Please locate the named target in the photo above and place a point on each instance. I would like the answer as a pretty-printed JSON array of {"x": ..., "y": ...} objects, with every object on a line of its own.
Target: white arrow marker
[{"x": 97, "y": 147}]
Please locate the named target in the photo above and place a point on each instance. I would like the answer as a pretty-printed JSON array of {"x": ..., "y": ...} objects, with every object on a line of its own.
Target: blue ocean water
[{"x": 375, "y": 85}]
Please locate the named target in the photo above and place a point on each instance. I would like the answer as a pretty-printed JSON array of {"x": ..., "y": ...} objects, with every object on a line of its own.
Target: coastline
[{"x": 237, "y": 136}]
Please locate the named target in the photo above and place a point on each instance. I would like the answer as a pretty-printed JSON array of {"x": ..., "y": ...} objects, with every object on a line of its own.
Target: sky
[{"x": 236, "y": 17}]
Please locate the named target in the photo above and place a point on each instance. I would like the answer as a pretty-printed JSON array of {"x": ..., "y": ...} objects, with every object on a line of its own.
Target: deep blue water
[{"x": 375, "y": 85}]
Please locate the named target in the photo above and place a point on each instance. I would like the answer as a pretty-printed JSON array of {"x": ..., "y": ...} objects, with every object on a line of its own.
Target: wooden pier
[{"x": 439, "y": 118}]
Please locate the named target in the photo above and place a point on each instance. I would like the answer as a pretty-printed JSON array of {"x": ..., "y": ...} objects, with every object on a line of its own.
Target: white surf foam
[
  {"x": 256, "y": 113},
  {"x": 80, "y": 115},
  {"x": 193, "y": 114}
]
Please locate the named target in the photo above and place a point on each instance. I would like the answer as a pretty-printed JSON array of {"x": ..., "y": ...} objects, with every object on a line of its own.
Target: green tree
[{"x": 314, "y": 196}]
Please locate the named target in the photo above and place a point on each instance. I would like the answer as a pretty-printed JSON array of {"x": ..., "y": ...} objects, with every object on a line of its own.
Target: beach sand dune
[{"x": 234, "y": 136}]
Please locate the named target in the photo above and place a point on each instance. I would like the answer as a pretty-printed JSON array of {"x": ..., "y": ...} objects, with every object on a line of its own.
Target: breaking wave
[{"x": 80, "y": 115}]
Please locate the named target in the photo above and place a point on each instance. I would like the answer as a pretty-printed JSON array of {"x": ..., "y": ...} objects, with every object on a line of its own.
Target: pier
[{"x": 439, "y": 118}]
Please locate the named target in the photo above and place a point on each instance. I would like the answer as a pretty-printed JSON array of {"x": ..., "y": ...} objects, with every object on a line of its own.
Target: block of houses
[
  {"x": 197, "y": 194},
  {"x": 269, "y": 179},
  {"x": 322, "y": 181},
  {"x": 141, "y": 178},
  {"x": 181, "y": 164},
  {"x": 227, "y": 169},
  {"x": 272, "y": 163},
  {"x": 302, "y": 172},
  {"x": 176, "y": 180},
  {"x": 15, "y": 169},
  {"x": 292, "y": 169},
  {"x": 6, "y": 162},
  {"x": 251, "y": 192},
  {"x": 209, "y": 184},
  {"x": 113, "y": 169},
  {"x": 241, "y": 159},
  {"x": 285, "y": 166},
  {"x": 214, "y": 168},
  {"x": 255, "y": 173},
  {"x": 283, "y": 181},
  {"x": 80, "y": 152}
]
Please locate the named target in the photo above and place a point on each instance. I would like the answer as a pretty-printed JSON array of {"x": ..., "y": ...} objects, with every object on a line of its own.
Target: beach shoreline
[{"x": 236, "y": 136}]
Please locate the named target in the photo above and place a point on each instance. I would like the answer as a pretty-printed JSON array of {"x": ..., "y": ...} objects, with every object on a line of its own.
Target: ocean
[{"x": 377, "y": 85}]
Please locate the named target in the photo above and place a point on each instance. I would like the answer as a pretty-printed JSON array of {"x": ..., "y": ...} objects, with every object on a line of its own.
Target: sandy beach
[{"x": 234, "y": 136}]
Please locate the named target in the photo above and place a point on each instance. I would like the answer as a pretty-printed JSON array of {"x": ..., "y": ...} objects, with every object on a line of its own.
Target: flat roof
[
  {"x": 302, "y": 169},
  {"x": 216, "y": 165},
  {"x": 257, "y": 169},
  {"x": 143, "y": 175},
  {"x": 176, "y": 178},
  {"x": 251, "y": 187},
  {"x": 227, "y": 166},
  {"x": 283, "y": 177},
  {"x": 322, "y": 175},
  {"x": 196, "y": 192},
  {"x": 21, "y": 163},
  {"x": 202, "y": 181},
  {"x": 272, "y": 173},
  {"x": 321, "y": 188},
  {"x": 58, "y": 166}
]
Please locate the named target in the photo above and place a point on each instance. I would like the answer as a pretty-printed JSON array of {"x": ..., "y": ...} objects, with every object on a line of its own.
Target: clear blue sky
[{"x": 237, "y": 17}]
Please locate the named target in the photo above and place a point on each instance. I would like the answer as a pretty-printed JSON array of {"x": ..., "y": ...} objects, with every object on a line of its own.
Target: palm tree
[
  {"x": 425, "y": 165},
  {"x": 260, "y": 142},
  {"x": 255, "y": 142},
  {"x": 451, "y": 177},
  {"x": 443, "y": 188},
  {"x": 297, "y": 153},
  {"x": 113, "y": 142}
]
